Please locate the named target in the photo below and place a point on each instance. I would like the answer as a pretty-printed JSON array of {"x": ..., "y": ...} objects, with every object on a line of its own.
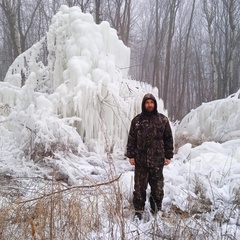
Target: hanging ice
[{"x": 80, "y": 70}]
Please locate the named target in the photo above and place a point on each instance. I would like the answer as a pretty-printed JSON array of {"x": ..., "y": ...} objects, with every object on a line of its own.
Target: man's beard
[{"x": 150, "y": 109}]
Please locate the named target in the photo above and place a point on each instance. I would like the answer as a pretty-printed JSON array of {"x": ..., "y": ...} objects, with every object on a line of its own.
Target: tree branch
[{"x": 68, "y": 189}]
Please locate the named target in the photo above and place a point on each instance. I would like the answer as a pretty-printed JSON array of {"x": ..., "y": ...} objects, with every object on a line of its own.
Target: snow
[
  {"x": 213, "y": 121},
  {"x": 72, "y": 117}
]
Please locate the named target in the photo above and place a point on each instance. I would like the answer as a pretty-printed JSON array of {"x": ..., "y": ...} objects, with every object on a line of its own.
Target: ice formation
[
  {"x": 213, "y": 121},
  {"x": 77, "y": 73}
]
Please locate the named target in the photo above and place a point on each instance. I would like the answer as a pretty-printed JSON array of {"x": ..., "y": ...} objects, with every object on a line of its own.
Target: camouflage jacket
[{"x": 150, "y": 140}]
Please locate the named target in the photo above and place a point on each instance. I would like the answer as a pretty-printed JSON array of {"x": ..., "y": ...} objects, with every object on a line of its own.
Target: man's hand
[
  {"x": 132, "y": 161},
  {"x": 166, "y": 162}
]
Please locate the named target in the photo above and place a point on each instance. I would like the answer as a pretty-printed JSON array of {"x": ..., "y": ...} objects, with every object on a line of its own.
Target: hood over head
[{"x": 145, "y": 98}]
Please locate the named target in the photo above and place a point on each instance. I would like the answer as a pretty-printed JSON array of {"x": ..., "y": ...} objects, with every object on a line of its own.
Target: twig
[{"x": 75, "y": 187}]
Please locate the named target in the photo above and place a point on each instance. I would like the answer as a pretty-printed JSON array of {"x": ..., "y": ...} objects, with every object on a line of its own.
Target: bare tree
[
  {"x": 209, "y": 9},
  {"x": 161, "y": 28},
  {"x": 184, "y": 79},
  {"x": 232, "y": 11},
  {"x": 11, "y": 11},
  {"x": 119, "y": 16},
  {"x": 98, "y": 11},
  {"x": 18, "y": 29},
  {"x": 171, "y": 27},
  {"x": 222, "y": 19}
]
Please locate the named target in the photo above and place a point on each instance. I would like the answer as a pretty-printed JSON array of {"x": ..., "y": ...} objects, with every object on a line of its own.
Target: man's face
[{"x": 149, "y": 105}]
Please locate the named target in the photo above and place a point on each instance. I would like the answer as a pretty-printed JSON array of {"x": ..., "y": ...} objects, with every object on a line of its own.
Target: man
[{"x": 149, "y": 148}]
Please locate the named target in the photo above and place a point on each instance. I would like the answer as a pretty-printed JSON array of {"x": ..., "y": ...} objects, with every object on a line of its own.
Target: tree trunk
[
  {"x": 184, "y": 80},
  {"x": 171, "y": 27}
]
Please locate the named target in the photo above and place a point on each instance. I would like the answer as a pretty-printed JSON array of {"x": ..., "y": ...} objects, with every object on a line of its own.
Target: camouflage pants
[{"x": 143, "y": 176}]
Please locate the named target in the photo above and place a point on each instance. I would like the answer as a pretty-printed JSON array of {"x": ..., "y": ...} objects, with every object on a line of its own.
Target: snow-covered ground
[{"x": 71, "y": 118}]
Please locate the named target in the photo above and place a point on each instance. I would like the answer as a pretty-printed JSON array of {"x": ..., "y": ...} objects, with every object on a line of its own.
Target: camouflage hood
[{"x": 145, "y": 98}]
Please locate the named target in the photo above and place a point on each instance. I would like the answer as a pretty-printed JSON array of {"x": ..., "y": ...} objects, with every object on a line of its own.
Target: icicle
[{"x": 85, "y": 77}]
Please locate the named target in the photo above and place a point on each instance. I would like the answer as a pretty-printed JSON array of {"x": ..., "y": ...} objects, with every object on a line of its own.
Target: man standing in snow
[{"x": 149, "y": 148}]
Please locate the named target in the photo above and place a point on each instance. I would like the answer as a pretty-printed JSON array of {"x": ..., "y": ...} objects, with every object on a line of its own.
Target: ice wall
[
  {"x": 214, "y": 121},
  {"x": 81, "y": 70}
]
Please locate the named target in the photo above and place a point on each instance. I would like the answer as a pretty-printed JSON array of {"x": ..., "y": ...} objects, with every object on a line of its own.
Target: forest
[{"x": 189, "y": 50}]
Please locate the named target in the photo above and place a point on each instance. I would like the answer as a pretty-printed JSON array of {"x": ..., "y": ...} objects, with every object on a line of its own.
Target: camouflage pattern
[
  {"x": 154, "y": 177},
  {"x": 150, "y": 142}
]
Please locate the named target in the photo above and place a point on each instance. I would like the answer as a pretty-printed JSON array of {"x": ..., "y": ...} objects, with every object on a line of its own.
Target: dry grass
[
  {"x": 50, "y": 210},
  {"x": 100, "y": 211},
  {"x": 182, "y": 139},
  {"x": 74, "y": 213}
]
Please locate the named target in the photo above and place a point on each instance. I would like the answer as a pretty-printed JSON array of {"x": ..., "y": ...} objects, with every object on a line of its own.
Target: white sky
[{"x": 83, "y": 91}]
